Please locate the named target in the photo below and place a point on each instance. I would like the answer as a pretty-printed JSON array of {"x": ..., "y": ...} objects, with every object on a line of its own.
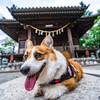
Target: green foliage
[
  {"x": 8, "y": 45},
  {"x": 81, "y": 40},
  {"x": 98, "y": 18},
  {"x": 8, "y": 42},
  {"x": 93, "y": 38},
  {"x": 3, "y": 50}
]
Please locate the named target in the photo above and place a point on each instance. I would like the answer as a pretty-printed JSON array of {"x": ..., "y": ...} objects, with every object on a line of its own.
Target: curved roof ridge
[
  {"x": 43, "y": 8},
  {"x": 8, "y": 19},
  {"x": 94, "y": 15}
]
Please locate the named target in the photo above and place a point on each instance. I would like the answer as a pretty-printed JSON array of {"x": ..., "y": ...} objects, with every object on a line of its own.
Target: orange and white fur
[{"x": 55, "y": 67}]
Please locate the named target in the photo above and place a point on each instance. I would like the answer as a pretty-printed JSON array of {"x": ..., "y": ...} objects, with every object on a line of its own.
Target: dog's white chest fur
[{"x": 61, "y": 63}]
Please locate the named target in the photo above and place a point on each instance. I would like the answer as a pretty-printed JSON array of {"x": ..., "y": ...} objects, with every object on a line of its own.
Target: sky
[{"x": 94, "y": 6}]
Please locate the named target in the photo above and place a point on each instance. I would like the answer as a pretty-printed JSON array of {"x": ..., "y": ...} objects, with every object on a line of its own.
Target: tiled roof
[
  {"x": 46, "y": 8},
  {"x": 45, "y": 13},
  {"x": 10, "y": 21},
  {"x": 15, "y": 8}
]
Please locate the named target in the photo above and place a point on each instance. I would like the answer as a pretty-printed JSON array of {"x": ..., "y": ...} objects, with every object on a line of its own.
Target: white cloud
[
  {"x": 2, "y": 35},
  {"x": 94, "y": 4}
]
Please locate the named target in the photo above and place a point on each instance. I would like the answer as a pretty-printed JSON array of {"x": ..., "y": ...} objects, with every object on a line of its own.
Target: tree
[
  {"x": 93, "y": 36},
  {"x": 9, "y": 43},
  {"x": 2, "y": 50}
]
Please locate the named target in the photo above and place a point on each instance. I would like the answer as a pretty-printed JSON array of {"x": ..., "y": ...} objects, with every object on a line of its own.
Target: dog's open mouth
[{"x": 31, "y": 80}]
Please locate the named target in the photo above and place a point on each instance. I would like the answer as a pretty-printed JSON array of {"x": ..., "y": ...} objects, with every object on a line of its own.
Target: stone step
[{"x": 87, "y": 61}]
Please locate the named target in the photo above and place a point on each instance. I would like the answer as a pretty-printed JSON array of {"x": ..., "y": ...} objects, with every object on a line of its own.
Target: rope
[{"x": 48, "y": 31}]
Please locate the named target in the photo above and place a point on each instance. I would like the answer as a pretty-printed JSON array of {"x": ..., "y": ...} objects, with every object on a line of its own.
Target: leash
[
  {"x": 73, "y": 67},
  {"x": 69, "y": 74}
]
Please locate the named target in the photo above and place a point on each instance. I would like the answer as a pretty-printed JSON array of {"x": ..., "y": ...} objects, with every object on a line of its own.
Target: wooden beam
[
  {"x": 29, "y": 33},
  {"x": 70, "y": 42},
  {"x": 42, "y": 27}
]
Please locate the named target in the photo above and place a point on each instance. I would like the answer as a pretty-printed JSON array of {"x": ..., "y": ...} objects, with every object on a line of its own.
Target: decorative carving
[
  {"x": 82, "y": 4},
  {"x": 3, "y": 18},
  {"x": 13, "y": 6}
]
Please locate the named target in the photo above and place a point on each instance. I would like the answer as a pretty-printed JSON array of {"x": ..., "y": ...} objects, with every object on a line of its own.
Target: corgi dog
[{"x": 47, "y": 70}]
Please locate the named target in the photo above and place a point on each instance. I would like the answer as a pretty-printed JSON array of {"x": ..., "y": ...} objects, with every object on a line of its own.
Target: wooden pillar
[
  {"x": 1, "y": 57},
  {"x": 34, "y": 41},
  {"x": 63, "y": 44},
  {"x": 1, "y": 60},
  {"x": 70, "y": 42},
  {"x": 34, "y": 36},
  {"x": 29, "y": 33},
  {"x": 18, "y": 46}
]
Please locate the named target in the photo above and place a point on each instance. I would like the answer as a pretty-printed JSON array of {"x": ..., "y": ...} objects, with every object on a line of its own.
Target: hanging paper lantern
[
  {"x": 62, "y": 30},
  {"x": 35, "y": 31}
]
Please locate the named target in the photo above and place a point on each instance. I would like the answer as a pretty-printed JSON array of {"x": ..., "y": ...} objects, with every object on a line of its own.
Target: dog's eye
[
  {"x": 26, "y": 56},
  {"x": 38, "y": 55}
]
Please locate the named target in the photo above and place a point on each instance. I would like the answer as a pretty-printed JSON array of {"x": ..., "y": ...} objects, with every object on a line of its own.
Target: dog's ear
[
  {"x": 48, "y": 41},
  {"x": 28, "y": 44}
]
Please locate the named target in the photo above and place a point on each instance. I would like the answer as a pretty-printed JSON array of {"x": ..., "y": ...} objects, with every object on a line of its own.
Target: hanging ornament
[
  {"x": 42, "y": 33},
  {"x": 24, "y": 27},
  {"x": 35, "y": 31},
  {"x": 62, "y": 30},
  {"x": 52, "y": 34},
  {"x": 56, "y": 32},
  {"x": 39, "y": 32},
  {"x": 46, "y": 33},
  {"x": 59, "y": 32},
  {"x": 49, "y": 34}
]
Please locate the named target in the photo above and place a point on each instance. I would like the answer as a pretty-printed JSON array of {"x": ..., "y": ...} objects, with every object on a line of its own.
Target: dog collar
[{"x": 69, "y": 74}]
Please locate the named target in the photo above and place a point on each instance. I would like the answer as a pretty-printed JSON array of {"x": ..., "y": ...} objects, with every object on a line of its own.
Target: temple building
[{"x": 65, "y": 24}]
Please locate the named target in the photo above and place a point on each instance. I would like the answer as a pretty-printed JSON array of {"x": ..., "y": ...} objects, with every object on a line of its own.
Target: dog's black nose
[{"x": 24, "y": 70}]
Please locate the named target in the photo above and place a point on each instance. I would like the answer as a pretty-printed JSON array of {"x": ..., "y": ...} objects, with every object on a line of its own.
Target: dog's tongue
[{"x": 30, "y": 82}]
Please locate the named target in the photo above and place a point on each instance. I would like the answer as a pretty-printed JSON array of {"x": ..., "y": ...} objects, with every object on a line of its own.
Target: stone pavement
[
  {"x": 88, "y": 89},
  {"x": 4, "y": 77}
]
